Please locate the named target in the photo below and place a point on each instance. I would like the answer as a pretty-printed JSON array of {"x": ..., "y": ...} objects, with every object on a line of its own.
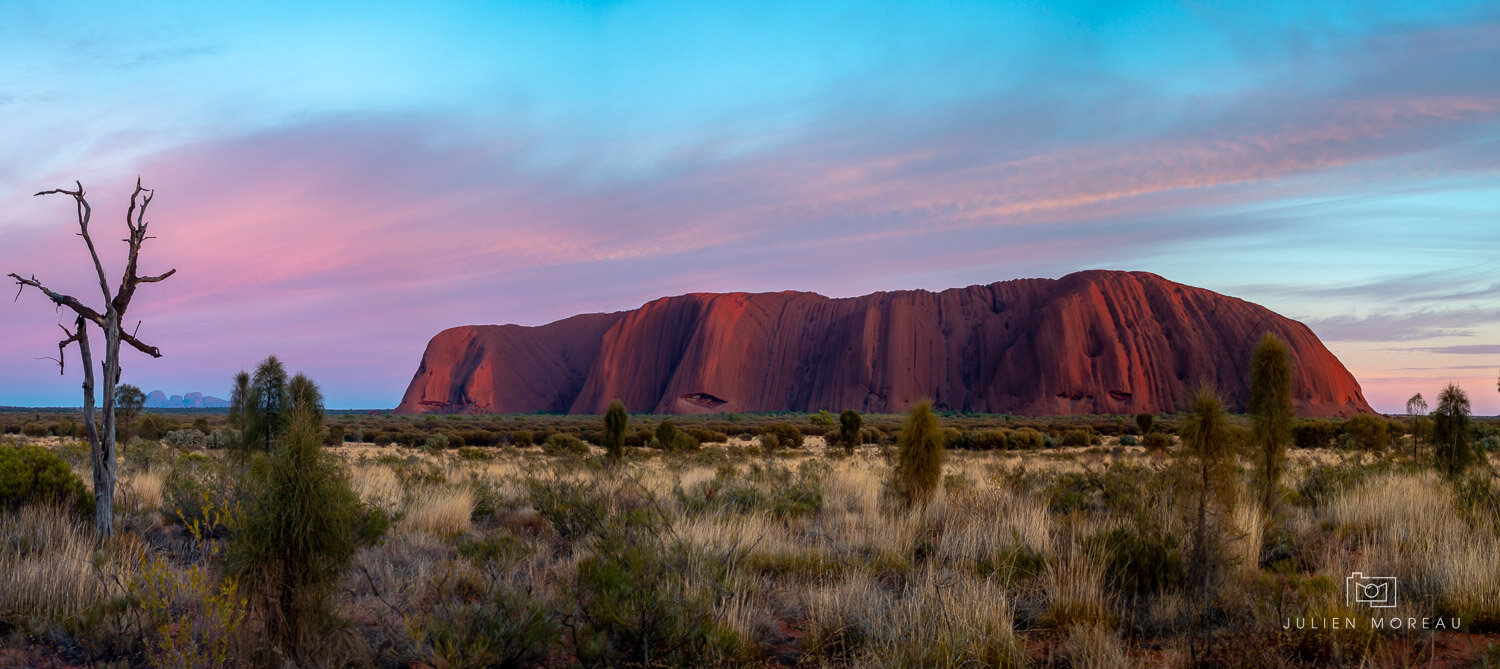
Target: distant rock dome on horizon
[
  {"x": 157, "y": 399},
  {"x": 1092, "y": 342}
]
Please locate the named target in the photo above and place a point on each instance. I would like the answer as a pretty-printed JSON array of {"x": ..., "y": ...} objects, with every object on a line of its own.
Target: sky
[{"x": 335, "y": 185}]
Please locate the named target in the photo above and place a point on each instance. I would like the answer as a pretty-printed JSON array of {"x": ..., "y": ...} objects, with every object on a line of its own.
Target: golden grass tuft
[
  {"x": 377, "y": 486},
  {"x": 442, "y": 511},
  {"x": 1076, "y": 597},
  {"x": 140, "y": 491},
  {"x": 938, "y": 621},
  {"x": 50, "y": 568},
  {"x": 1093, "y": 647},
  {"x": 1411, "y": 528}
]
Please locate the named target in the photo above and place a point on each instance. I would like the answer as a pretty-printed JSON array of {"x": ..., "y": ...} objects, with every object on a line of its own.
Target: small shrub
[
  {"x": 707, "y": 436},
  {"x": 295, "y": 539},
  {"x": 33, "y": 475},
  {"x": 224, "y": 438},
  {"x": 984, "y": 440},
  {"x": 1366, "y": 432},
  {"x": 334, "y": 436},
  {"x": 1156, "y": 442},
  {"x": 615, "y": 422},
  {"x": 666, "y": 435},
  {"x": 151, "y": 427},
  {"x": 191, "y": 438},
  {"x": 1013, "y": 564},
  {"x": 822, "y": 419},
  {"x": 510, "y": 629},
  {"x": 565, "y": 445},
  {"x": 1141, "y": 559},
  {"x": 1026, "y": 439},
  {"x": 474, "y": 454},
  {"x": 1145, "y": 422},
  {"x": 195, "y": 495},
  {"x": 1313, "y": 433},
  {"x": 850, "y": 425},
  {"x": 645, "y": 602},
  {"x": 919, "y": 458},
  {"x": 501, "y": 547},
  {"x": 1074, "y": 438},
  {"x": 786, "y": 436},
  {"x": 574, "y": 509},
  {"x": 774, "y": 490}
]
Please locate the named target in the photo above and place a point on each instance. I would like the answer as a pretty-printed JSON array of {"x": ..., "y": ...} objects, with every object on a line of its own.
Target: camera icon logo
[{"x": 1376, "y": 591}]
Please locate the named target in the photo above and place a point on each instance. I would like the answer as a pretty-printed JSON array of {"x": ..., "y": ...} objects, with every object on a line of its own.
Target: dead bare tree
[{"x": 102, "y": 438}]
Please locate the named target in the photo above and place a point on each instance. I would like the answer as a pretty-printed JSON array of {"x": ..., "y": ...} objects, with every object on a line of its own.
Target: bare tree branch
[
  {"x": 63, "y": 345},
  {"x": 58, "y": 298},
  {"x": 135, "y": 219},
  {"x": 159, "y": 277},
  {"x": 84, "y": 213},
  {"x": 139, "y": 345}
]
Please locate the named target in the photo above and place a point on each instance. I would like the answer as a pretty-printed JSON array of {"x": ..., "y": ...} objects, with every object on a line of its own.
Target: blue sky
[{"x": 338, "y": 184}]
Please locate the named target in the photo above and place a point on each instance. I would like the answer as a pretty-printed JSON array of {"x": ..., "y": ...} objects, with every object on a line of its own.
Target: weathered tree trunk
[
  {"x": 104, "y": 498},
  {"x": 104, "y": 514}
]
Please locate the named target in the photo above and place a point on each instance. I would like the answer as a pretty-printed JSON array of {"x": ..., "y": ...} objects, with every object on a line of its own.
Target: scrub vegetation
[{"x": 920, "y": 540}]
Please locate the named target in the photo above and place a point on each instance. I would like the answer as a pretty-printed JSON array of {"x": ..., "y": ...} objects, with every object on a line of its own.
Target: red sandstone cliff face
[{"x": 1090, "y": 342}]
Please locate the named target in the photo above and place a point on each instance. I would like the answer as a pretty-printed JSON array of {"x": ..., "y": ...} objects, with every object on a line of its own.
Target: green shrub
[
  {"x": 151, "y": 427},
  {"x": 565, "y": 445},
  {"x": 1156, "y": 441},
  {"x": 919, "y": 458},
  {"x": 1075, "y": 438},
  {"x": 1366, "y": 432},
  {"x": 521, "y": 438},
  {"x": 574, "y": 509},
  {"x": 615, "y": 422},
  {"x": 786, "y": 435},
  {"x": 195, "y": 495},
  {"x": 190, "y": 438},
  {"x": 33, "y": 475},
  {"x": 501, "y": 547},
  {"x": 1145, "y": 422},
  {"x": 1313, "y": 433},
  {"x": 509, "y": 629},
  {"x": 707, "y": 436},
  {"x": 1025, "y": 439},
  {"x": 1451, "y": 434},
  {"x": 296, "y": 537},
  {"x": 822, "y": 419},
  {"x": 774, "y": 490},
  {"x": 983, "y": 440},
  {"x": 850, "y": 425},
  {"x": 1013, "y": 564},
  {"x": 1271, "y": 415},
  {"x": 474, "y": 454},
  {"x": 646, "y": 602},
  {"x": 666, "y": 435},
  {"x": 1141, "y": 559}
]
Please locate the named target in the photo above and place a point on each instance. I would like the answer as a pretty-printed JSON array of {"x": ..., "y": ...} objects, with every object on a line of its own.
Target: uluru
[{"x": 1092, "y": 342}]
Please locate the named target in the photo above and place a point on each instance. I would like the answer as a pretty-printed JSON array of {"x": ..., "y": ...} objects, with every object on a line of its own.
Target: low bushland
[{"x": 536, "y": 552}]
